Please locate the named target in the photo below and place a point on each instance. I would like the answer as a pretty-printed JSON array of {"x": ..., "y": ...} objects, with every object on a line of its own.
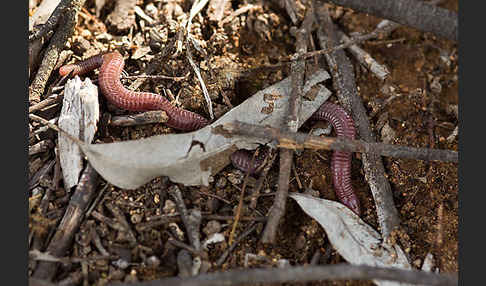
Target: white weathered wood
[{"x": 79, "y": 116}]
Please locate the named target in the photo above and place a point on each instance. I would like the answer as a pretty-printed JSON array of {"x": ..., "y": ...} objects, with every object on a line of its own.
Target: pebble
[
  {"x": 236, "y": 177},
  {"x": 221, "y": 183},
  {"x": 213, "y": 226},
  {"x": 136, "y": 218},
  {"x": 169, "y": 207},
  {"x": 153, "y": 261}
]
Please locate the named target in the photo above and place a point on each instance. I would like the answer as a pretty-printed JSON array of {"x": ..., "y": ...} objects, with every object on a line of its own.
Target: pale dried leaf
[{"x": 353, "y": 239}]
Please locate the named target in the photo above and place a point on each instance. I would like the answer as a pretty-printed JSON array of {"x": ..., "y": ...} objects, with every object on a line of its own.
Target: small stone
[
  {"x": 121, "y": 263},
  {"x": 176, "y": 231},
  {"x": 221, "y": 183},
  {"x": 153, "y": 261},
  {"x": 86, "y": 33},
  {"x": 80, "y": 46},
  {"x": 236, "y": 177},
  {"x": 388, "y": 135},
  {"x": 211, "y": 179},
  {"x": 435, "y": 85},
  {"x": 169, "y": 207},
  {"x": 136, "y": 218},
  {"x": 213, "y": 226},
  {"x": 151, "y": 10}
]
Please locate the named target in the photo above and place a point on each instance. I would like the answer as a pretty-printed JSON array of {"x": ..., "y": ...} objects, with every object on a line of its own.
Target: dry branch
[
  {"x": 297, "y": 70},
  {"x": 52, "y": 21},
  {"x": 51, "y": 56},
  {"x": 299, "y": 140},
  {"x": 156, "y": 116},
  {"x": 417, "y": 14},
  {"x": 305, "y": 274},
  {"x": 345, "y": 85},
  {"x": 74, "y": 215},
  {"x": 191, "y": 219}
]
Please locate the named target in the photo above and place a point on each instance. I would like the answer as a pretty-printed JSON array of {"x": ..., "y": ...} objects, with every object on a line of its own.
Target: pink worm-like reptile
[
  {"x": 340, "y": 162},
  {"x": 109, "y": 80}
]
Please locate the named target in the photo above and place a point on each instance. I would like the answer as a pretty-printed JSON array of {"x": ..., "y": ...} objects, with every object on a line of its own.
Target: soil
[{"x": 422, "y": 92}]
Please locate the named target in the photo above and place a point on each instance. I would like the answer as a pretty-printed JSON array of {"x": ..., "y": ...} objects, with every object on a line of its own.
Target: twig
[
  {"x": 200, "y": 79},
  {"x": 417, "y": 14},
  {"x": 236, "y": 13},
  {"x": 51, "y": 23},
  {"x": 108, "y": 221},
  {"x": 148, "y": 117},
  {"x": 191, "y": 221},
  {"x": 297, "y": 69},
  {"x": 240, "y": 200},
  {"x": 56, "y": 45},
  {"x": 305, "y": 274},
  {"x": 41, "y": 147},
  {"x": 379, "y": 31},
  {"x": 299, "y": 140},
  {"x": 44, "y": 256},
  {"x": 365, "y": 58},
  {"x": 39, "y": 174},
  {"x": 97, "y": 199},
  {"x": 55, "y": 98},
  {"x": 120, "y": 217},
  {"x": 74, "y": 215},
  {"x": 165, "y": 219},
  {"x": 56, "y": 128},
  {"x": 271, "y": 155},
  {"x": 242, "y": 218},
  {"x": 182, "y": 245},
  {"x": 174, "y": 78},
  {"x": 233, "y": 245},
  {"x": 346, "y": 91}
]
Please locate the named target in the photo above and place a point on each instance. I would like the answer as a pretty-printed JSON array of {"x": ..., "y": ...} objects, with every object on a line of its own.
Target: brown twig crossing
[{"x": 299, "y": 140}]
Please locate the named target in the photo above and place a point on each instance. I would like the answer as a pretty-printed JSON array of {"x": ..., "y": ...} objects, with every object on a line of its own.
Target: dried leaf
[
  {"x": 191, "y": 158},
  {"x": 353, "y": 239}
]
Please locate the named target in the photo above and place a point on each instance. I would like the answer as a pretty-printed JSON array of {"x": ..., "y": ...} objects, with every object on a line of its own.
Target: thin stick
[
  {"x": 190, "y": 222},
  {"x": 240, "y": 201},
  {"x": 74, "y": 215},
  {"x": 271, "y": 155},
  {"x": 345, "y": 85},
  {"x": 52, "y": 22},
  {"x": 305, "y": 274},
  {"x": 232, "y": 246},
  {"x": 56, "y": 45},
  {"x": 149, "y": 117},
  {"x": 174, "y": 78},
  {"x": 297, "y": 68},
  {"x": 299, "y": 140}
]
